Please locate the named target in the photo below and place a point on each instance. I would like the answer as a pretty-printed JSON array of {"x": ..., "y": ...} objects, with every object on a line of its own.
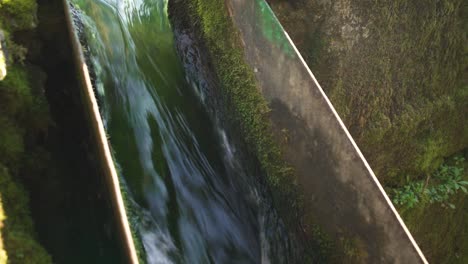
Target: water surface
[{"x": 195, "y": 201}]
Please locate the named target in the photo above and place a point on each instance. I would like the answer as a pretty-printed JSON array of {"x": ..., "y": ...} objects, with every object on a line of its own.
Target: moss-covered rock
[
  {"x": 18, "y": 233},
  {"x": 18, "y": 14},
  {"x": 23, "y": 115}
]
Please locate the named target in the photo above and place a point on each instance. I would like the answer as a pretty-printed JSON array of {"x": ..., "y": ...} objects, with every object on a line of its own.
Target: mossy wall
[
  {"x": 396, "y": 73},
  {"x": 18, "y": 232},
  {"x": 24, "y": 120}
]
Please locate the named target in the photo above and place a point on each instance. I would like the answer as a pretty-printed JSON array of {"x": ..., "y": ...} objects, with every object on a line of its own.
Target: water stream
[{"x": 196, "y": 202}]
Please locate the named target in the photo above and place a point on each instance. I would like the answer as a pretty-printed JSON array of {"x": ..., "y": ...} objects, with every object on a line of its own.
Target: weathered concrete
[
  {"x": 102, "y": 145},
  {"x": 341, "y": 191}
]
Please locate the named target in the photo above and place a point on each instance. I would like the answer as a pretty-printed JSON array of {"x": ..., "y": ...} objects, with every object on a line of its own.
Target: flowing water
[{"x": 194, "y": 200}]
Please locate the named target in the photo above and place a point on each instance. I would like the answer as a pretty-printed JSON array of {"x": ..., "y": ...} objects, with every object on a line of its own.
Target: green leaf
[{"x": 463, "y": 189}]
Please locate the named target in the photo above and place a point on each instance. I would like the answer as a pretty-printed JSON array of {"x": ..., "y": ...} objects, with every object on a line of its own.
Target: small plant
[
  {"x": 409, "y": 195},
  {"x": 447, "y": 181}
]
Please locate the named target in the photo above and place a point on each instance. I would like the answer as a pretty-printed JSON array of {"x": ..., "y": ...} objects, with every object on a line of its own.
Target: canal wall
[
  {"x": 101, "y": 143},
  {"x": 341, "y": 192}
]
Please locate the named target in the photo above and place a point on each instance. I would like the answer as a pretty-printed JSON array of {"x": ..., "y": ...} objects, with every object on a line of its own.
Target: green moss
[
  {"x": 15, "y": 91},
  {"x": 402, "y": 100},
  {"x": 23, "y": 114},
  {"x": 20, "y": 14},
  {"x": 18, "y": 234},
  {"x": 16, "y": 81},
  {"x": 11, "y": 145}
]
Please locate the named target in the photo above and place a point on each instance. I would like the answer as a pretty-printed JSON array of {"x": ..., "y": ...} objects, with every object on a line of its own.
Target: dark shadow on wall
[{"x": 317, "y": 164}]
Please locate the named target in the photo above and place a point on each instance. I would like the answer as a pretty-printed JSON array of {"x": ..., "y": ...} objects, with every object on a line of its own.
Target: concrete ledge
[
  {"x": 101, "y": 143},
  {"x": 340, "y": 189}
]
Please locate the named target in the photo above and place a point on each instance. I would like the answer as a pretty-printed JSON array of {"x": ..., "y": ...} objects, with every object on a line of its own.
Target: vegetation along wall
[
  {"x": 396, "y": 73},
  {"x": 24, "y": 120}
]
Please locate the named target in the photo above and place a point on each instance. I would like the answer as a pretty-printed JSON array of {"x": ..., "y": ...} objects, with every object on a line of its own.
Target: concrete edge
[
  {"x": 350, "y": 138},
  {"x": 101, "y": 138}
]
